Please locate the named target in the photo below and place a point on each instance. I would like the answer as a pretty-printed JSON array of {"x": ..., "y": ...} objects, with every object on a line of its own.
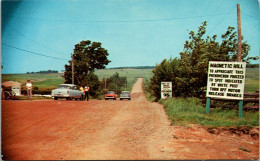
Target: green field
[
  {"x": 252, "y": 80},
  {"x": 38, "y": 80},
  {"x": 50, "y": 81}
]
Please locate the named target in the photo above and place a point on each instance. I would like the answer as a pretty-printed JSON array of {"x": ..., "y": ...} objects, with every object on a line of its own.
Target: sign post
[
  {"x": 208, "y": 105},
  {"x": 166, "y": 90},
  {"x": 226, "y": 80}
]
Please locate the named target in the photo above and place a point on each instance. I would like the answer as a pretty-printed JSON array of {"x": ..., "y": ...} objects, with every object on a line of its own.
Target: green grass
[
  {"x": 183, "y": 111},
  {"x": 131, "y": 74},
  {"x": 252, "y": 80}
]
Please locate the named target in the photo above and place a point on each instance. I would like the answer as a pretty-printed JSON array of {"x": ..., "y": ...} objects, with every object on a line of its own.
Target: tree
[
  {"x": 189, "y": 72},
  {"x": 87, "y": 57},
  {"x": 115, "y": 82}
]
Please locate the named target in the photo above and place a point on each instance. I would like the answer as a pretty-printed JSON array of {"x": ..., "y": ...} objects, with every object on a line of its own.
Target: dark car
[{"x": 125, "y": 95}]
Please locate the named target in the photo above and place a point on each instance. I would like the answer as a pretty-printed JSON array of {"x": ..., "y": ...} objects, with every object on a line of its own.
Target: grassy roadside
[{"x": 183, "y": 111}]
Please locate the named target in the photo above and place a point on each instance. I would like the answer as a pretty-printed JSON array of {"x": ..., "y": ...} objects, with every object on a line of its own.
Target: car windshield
[
  {"x": 64, "y": 86},
  {"x": 125, "y": 92},
  {"x": 110, "y": 92}
]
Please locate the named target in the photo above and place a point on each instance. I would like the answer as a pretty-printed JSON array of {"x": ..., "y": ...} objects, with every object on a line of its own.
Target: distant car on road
[
  {"x": 110, "y": 95},
  {"x": 68, "y": 91},
  {"x": 125, "y": 95}
]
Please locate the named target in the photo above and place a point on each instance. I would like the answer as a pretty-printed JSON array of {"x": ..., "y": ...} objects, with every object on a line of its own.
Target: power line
[
  {"x": 33, "y": 40},
  {"x": 249, "y": 16},
  {"x": 121, "y": 21},
  {"x": 33, "y": 52}
]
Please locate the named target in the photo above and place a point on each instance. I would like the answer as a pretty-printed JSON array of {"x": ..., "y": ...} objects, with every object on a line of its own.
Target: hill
[{"x": 136, "y": 67}]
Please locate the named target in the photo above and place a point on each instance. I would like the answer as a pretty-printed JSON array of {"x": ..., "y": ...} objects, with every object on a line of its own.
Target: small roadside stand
[
  {"x": 10, "y": 89},
  {"x": 226, "y": 81}
]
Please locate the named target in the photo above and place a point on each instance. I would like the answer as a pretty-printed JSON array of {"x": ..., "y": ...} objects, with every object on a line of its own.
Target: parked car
[
  {"x": 68, "y": 91},
  {"x": 125, "y": 95},
  {"x": 110, "y": 95}
]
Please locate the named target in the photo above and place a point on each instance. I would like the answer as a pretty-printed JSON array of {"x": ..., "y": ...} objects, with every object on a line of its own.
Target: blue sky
[{"x": 135, "y": 32}]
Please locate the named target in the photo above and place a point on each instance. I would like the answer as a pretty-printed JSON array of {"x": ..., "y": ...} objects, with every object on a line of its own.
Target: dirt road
[{"x": 99, "y": 129}]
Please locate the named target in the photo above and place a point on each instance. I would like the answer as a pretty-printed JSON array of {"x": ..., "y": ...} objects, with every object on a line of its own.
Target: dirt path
[{"x": 99, "y": 129}]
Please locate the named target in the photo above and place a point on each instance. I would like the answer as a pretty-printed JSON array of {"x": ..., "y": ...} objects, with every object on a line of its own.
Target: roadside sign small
[{"x": 166, "y": 90}]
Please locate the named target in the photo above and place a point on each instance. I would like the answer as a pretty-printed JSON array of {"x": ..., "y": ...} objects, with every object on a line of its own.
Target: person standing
[
  {"x": 29, "y": 89},
  {"x": 82, "y": 90},
  {"x": 86, "y": 92}
]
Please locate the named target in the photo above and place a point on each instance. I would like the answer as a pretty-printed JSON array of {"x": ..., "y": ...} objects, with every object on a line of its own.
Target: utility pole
[
  {"x": 239, "y": 52},
  {"x": 72, "y": 64}
]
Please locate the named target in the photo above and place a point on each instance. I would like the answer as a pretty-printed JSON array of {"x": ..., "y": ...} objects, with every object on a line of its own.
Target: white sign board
[
  {"x": 226, "y": 80},
  {"x": 166, "y": 90},
  {"x": 17, "y": 90}
]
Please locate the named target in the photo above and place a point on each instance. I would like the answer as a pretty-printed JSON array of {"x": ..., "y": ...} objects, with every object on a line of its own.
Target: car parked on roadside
[
  {"x": 125, "y": 95},
  {"x": 110, "y": 95},
  {"x": 68, "y": 91}
]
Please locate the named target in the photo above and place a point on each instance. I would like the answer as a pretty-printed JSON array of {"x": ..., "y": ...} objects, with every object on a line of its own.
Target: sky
[{"x": 39, "y": 35}]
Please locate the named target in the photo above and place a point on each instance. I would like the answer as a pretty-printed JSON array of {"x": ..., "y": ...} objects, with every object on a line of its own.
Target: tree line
[{"x": 43, "y": 72}]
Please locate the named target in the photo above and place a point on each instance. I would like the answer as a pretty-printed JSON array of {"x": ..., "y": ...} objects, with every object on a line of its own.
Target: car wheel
[
  {"x": 120, "y": 98},
  {"x": 114, "y": 98},
  {"x": 7, "y": 95},
  {"x": 55, "y": 98}
]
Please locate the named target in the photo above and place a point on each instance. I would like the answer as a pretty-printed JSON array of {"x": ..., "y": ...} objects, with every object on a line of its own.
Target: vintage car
[
  {"x": 125, "y": 95},
  {"x": 110, "y": 95},
  {"x": 68, "y": 91}
]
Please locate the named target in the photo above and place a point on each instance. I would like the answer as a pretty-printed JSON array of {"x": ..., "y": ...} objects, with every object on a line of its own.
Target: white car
[{"x": 68, "y": 91}]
